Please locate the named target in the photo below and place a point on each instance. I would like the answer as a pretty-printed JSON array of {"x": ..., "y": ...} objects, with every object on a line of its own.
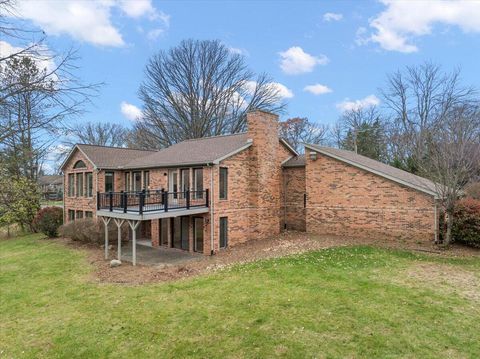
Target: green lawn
[{"x": 345, "y": 302}]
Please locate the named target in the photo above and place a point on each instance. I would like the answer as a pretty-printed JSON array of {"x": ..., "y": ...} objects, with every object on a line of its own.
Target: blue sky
[{"x": 327, "y": 55}]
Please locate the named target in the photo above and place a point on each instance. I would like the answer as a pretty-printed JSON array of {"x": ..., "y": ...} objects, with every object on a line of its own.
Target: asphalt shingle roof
[
  {"x": 296, "y": 161},
  {"x": 111, "y": 157},
  {"x": 378, "y": 167},
  {"x": 190, "y": 152}
]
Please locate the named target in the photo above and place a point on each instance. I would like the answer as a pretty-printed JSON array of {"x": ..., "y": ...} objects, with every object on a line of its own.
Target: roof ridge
[
  {"x": 207, "y": 137},
  {"x": 114, "y": 147}
]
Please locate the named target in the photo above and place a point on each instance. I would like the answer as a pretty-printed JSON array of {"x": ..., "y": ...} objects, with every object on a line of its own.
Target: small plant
[
  {"x": 48, "y": 220},
  {"x": 466, "y": 225}
]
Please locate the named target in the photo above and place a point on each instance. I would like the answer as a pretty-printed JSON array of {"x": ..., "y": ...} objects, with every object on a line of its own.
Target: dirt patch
[
  {"x": 443, "y": 277},
  {"x": 287, "y": 243}
]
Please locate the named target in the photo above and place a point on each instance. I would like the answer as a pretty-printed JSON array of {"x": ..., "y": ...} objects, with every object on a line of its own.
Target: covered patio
[{"x": 154, "y": 256}]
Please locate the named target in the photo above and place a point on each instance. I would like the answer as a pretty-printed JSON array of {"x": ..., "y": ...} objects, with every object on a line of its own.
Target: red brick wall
[
  {"x": 294, "y": 190},
  {"x": 345, "y": 200}
]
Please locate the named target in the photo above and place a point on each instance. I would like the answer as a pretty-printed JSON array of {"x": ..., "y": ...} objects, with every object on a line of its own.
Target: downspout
[
  {"x": 97, "y": 171},
  {"x": 212, "y": 227}
]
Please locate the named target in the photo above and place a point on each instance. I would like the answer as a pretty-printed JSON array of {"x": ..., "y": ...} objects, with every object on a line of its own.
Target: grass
[
  {"x": 343, "y": 302},
  {"x": 47, "y": 202}
]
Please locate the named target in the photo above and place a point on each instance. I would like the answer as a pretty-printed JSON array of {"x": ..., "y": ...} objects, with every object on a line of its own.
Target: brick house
[{"x": 206, "y": 194}]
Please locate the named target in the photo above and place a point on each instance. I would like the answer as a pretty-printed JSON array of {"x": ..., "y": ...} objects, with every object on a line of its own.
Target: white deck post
[
  {"x": 119, "y": 223},
  {"x": 133, "y": 225},
  {"x": 106, "y": 221}
]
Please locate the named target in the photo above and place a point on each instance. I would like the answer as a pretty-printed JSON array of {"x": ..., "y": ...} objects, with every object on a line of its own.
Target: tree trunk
[{"x": 448, "y": 236}]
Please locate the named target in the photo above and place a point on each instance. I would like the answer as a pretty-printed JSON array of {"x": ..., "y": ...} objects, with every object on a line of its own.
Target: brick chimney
[{"x": 265, "y": 170}]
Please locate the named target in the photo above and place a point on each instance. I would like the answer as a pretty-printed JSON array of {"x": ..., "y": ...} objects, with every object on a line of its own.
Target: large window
[
  {"x": 71, "y": 215},
  {"x": 79, "y": 184},
  {"x": 146, "y": 179},
  {"x": 89, "y": 180},
  {"x": 109, "y": 182},
  {"x": 79, "y": 214},
  {"x": 71, "y": 185},
  {"x": 164, "y": 231},
  {"x": 185, "y": 179},
  {"x": 223, "y": 232},
  {"x": 127, "y": 181},
  {"x": 137, "y": 181},
  {"x": 88, "y": 214},
  {"x": 198, "y": 234},
  {"x": 198, "y": 182},
  {"x": 223, "y": 183}
]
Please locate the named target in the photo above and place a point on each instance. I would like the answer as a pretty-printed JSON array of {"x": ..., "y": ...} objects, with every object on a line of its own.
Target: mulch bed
[{"x": 287, "y": 243}]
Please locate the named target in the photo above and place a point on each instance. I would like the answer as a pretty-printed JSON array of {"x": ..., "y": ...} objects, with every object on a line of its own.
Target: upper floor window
[
  {"x": 71, "y": 185},
  {"x": 223, "y": 183},
  {"x": 127, "y": 181},
  {"x": 80, "y": 164},
  {"x": 109, "y": 182}
]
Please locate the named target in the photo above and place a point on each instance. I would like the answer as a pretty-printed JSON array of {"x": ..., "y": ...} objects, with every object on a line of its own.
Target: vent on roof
[{"x": 313, "y": 155}]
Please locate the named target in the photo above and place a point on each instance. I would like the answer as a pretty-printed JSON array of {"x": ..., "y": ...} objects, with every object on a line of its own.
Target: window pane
[
  {"x": 89, "y": 179},
  {"x": 146, "y": 179},
  {"x": 185, "y": 177},
  {"x": 71, "y": 185},
  {"x": 198, "y": 182},
  {"x": 71, "y": 215},
  {"x": 137, "y": 181},
  {"x": 223, "y": 182},
  {"x": 79, "y": 214},
  {"x": 164, "y": 231},
  {"x": 198, "y": 233},
  {"x": 88, "y": 214},
  {"x": 127, "y": 181},
  {"x": 79, "y": 164},
  {"x": 223, "y": 232},
  {"x": 109, "y": 184},
  {"x": 79, "y": 184}
]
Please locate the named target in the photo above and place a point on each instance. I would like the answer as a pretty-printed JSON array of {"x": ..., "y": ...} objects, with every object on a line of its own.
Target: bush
[
  {"x": 89, "y": 230},
  {"x": 48, "y": 220},
  {"x": 466, "y": 224},
  {"x": 473, "y": 190}
]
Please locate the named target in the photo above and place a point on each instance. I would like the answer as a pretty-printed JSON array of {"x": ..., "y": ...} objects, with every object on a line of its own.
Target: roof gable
[{"x": 381, "y": 169}]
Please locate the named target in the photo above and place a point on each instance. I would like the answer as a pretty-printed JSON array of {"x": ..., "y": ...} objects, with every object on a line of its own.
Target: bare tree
[
  {"x": 453, "y": 157},
  {"x": 299, "y": 130},
  {"x": 361, "y": 130},
  {"x": 35, "y": 113},
  {"x": 197, "y": 89},
  {"x": 417, "y": 100},
  {"x": 97, "y": 133}
]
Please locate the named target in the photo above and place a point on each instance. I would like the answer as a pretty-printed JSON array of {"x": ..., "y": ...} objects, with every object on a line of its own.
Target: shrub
[
  {"x": 48, "y": 220},
  {"x": 473, "y": 190},
  {"x": 89, "y": 230},
  {"x": 466, "y": 224}
]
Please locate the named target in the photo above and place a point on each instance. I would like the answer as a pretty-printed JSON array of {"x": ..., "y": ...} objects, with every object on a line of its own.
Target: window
[
  {"x": 223, "y": 182},
  {"x": 198, "y": 182},
  {"x": 185, "y": 178},
  {"x": 137, "y": 181},
  {"x": 146, "y": 179},
  {"x": 79, "y": 214},
  {"x": 79, "y": 184},
  {"x": 71, "y": 185},
  {"x": 89, "y": 180},
  {"x": 88, "y": 214},
  {"x": 127, "y": 181},
  {"x": 223, "y": 232},
  {"x": 164, "y": 231},
  {"x": 80, "y": 164},
  {"x": 109, "y": 181},
  {"x": 71, "y": 215},
  {"x": 198, "y": 234},
  {"x": 172, "y": 182}
]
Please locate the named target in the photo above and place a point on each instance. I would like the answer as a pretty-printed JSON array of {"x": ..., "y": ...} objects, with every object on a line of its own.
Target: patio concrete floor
[{"x": 151, "y": 256}]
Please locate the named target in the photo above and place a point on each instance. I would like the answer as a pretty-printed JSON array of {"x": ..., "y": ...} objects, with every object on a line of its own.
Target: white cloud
[
  {"x": 238, "y": 51},
  {"x": 317, "y": 89},
  {"x": 296, "y": 61},
  {"x": 395, "y": 28},
  {"x": 331, "y": 16},
  {"x": 88, "y": 21},
  {"x": 348, "y": 105},
  {"x": 283, "y": 91},
  {"x": 130, "y": 111}
]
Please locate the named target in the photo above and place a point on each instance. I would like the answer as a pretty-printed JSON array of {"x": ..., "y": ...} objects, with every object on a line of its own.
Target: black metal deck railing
[{"x": 150, "y": 201}]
